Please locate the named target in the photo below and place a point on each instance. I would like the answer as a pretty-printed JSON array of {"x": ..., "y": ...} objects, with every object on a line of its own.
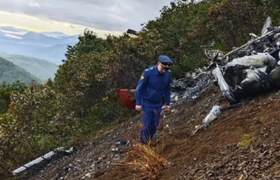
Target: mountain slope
[
  {"x": 10, "y": 73},
  {"x": 38, "y": 67},
  {"x": 242, "y": 143}
]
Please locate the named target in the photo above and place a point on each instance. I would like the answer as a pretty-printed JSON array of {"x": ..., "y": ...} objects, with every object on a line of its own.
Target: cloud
[
  {"x": 31, "y": 23},
  {"x": 34, "y": 4},
  {"x": 111, "y": 15},
  {"x": 12, "y": 36}
]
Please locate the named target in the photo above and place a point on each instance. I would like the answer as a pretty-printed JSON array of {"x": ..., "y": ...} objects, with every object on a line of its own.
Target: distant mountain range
[{"x": 50, "y": 46}]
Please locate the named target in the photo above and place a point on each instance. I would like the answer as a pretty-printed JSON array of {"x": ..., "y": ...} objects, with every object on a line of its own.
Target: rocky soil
[{"x": 241, "y": 144}]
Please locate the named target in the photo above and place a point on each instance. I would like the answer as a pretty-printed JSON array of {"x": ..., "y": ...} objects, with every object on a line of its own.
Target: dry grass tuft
[{"x": 145, "y": 160}]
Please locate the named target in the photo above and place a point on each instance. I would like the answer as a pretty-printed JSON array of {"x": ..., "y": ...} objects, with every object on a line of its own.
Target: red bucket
[{"x": 127, "y": 98}]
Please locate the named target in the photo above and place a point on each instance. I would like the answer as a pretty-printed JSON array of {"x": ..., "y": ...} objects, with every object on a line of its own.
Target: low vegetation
[
  {"x": 145, "y": 160},
  {"x": 246, "y": 140}
]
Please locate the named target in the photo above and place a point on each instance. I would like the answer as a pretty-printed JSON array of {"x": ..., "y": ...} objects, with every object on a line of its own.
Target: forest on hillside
[{"x": 82, "y": 98}]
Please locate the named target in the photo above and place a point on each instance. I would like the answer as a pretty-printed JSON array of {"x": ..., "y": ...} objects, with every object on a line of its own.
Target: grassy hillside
[
  {"x": 9, "y": 73},
  {"x": 38, "y": 67}
]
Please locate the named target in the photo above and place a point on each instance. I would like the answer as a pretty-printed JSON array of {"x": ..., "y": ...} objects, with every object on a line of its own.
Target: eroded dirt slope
[{"x": 241, "y": 144}]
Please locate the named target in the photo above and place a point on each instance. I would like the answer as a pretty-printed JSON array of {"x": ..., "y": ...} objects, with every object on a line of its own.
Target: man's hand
[
  {"x": 138, "y": 107},
  {"x": 166, "y": 108}
]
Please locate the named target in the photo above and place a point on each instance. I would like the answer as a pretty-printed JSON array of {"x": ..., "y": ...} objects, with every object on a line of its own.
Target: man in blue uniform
[{"x": 153, "y": 86}]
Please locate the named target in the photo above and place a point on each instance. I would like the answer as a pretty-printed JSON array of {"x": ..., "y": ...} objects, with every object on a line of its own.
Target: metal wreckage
[
  {"x": 250, "y": 69},
  {"x": 246, "y": 71},
  {"x": 241, "y": 74}
]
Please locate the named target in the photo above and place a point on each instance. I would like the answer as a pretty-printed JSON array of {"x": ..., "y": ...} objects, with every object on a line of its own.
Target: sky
[{"x": 74, "y": 16}]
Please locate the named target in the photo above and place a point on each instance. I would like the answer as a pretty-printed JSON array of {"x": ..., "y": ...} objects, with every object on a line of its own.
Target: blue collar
[{"x": 156, "y": 72}]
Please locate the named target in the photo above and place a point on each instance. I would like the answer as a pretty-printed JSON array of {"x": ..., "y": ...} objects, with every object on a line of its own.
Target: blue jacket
[{"x": 152, "y": 87}]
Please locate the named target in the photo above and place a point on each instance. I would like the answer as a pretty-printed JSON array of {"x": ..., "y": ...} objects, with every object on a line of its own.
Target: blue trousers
[{"x": 150, "y": 121}]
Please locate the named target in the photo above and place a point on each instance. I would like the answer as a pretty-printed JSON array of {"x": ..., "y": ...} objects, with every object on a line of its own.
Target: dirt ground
[{"x": 241, "y": 144}]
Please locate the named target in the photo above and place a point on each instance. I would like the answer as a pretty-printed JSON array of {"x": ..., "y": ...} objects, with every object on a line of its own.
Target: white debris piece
[
  {"x": 212, "y": 115},
  {"x": 40, "y": 159},
  {"x": 36, "y": 161}
]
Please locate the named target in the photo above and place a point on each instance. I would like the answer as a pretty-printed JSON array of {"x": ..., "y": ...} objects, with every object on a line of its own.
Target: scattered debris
[
  {"x": 187, "y": 89},
  {"x": 121, "y": 146}
]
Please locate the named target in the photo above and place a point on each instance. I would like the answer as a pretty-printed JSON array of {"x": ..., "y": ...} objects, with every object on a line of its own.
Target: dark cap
[{"x": 165, "y": 59}]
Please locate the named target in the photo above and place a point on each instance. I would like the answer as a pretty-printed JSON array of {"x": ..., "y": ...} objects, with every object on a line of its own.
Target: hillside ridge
[
  {"x": 40, "y": 68},
  {"x": 10, "y": 73},
  {"x": 242, "y": 142}
]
